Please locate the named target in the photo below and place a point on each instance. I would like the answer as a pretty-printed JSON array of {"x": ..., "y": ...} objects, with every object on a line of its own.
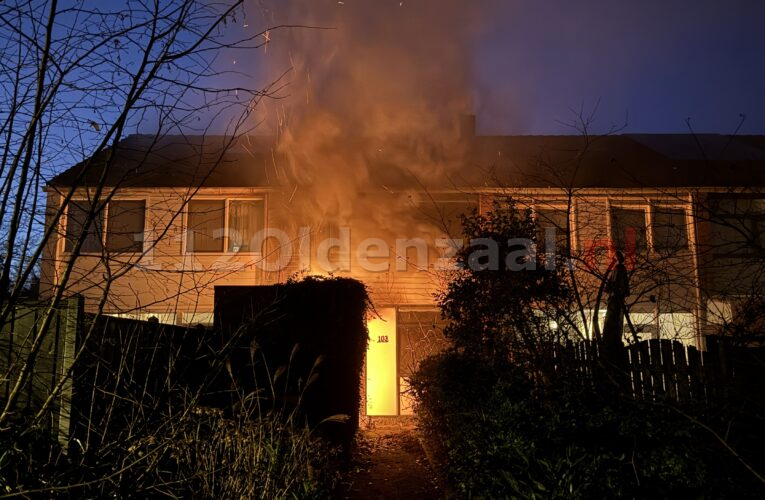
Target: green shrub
[
  {"x": 504, "y": 303},
  {"x": 502, "y": 436}
]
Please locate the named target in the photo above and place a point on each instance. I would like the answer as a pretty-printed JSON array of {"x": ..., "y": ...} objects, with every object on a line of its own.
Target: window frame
[
  {"x": 422, "y": 201},
  {"x": 105, "y": 216},
  {"x": 561, "y": 207},
  {"x": 686, "y": 227},
  {"x": 580, "y": 222},
  {"x": 745, "y": 250},
  {"x": 107, "y": 220},
  {"x": 226, "y": 210},
  {"x": 65, "y": 239},
  {"x": 646, "y": 209}
]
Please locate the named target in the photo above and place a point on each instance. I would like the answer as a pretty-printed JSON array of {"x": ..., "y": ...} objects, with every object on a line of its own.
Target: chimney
[{"x": 467, "y": 126}]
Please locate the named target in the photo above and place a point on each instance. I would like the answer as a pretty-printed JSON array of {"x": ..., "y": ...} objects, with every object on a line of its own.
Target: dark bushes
[
  {"x": 197, "y": 455},
  {"x": 508, "y": 426},
  {"x": 501, "y": 436}
]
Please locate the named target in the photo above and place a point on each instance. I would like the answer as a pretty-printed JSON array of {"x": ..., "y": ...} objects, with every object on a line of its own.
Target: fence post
[
  {"x": 696, "y": 373},
  {"x": 681, "y": 371},
  {"x": 657, "y": 376},
  {"x": 711, "y": 363},
  {"x": 634, "y": 366},
  {"x": 71, "y": 321},
  {"x": 645, "y": 370},
  {"x": 668, "y": 368}
]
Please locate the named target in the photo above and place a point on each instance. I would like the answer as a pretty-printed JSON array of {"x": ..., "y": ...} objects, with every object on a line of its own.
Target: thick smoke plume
[{"x": 374, "y": 83}]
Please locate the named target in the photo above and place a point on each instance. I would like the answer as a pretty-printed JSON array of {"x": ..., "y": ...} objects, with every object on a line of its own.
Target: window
[
  {"x": 719, "y": 311},
  {"x": 591, "y": 225},
  {"x": 198, "y": 318},
  {"x": 164, "y": 318},
  {"x": 442, "y": 211},
  {"x": 678, "y": 326},
  {"x": 207, "y": 220},
  {"x": 78, "y": 213},
  {"x": 738, "y": 225},
  {"x": 644, "y": 324},
  {"x": 124, "y": 228},
  {"x": 245, "y": 219},
  {"x": 123, "y": 221},
  {"x": 625, "y": 221},
  {"x": 556, "y": 218},
  {"x": 670, "y": 229}
]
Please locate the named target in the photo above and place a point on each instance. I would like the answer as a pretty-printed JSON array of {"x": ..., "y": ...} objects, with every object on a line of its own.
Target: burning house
[
  {"x": 364, "y": 173},
  {"x": 154, "y": 224}
]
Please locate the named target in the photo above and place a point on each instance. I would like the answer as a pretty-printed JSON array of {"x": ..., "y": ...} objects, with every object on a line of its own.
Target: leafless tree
[{"x": 77, "y": 77}]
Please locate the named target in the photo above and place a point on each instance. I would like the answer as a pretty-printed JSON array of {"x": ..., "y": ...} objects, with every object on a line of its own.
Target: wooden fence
[
  {"x": 667, "y": 369},
  {"x": 51, "y": 364},
  {"x": 128, "y": 371},
  {"x": 123, "y": 367}
]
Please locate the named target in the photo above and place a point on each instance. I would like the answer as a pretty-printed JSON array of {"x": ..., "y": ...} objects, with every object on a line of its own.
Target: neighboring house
[{"x": 695, "y": 205}]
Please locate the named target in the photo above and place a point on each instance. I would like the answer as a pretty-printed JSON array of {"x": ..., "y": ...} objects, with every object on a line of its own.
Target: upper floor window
[
  {"x": 125, "y": 225},
  {"x": 79, "y": 219},
  {"x": 590, "y": 226},
  {"x": 442, "y": 211},
  {"x": 628, "y": 224},
  {"x": 116, "y": 227},
  {"x": 205, "y": 223},
  {"x": 215, "y": 225},
  {"x": 738, "y": 225},
  {"x": 555, "y": 218},
  {"x": 670, "y": 229}
]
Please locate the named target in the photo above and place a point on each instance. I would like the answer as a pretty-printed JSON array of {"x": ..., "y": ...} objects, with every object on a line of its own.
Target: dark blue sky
[
  {"x": 648, "y": 65},
  {"x": 651, "y": 63}
]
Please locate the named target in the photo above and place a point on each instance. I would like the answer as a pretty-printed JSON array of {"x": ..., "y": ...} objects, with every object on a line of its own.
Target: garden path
[{"x": 391, "y": 464}]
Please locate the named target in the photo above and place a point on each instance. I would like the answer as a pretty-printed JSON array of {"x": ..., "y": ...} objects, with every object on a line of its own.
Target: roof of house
[
  {"x": 174, "y": 161},
  {"x": 611, "y": 161}
]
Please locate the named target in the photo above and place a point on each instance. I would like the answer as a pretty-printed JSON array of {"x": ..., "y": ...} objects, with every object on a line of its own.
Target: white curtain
[{"x": 246, "y": 218}]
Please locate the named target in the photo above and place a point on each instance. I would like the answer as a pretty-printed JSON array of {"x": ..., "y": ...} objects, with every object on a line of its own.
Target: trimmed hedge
[{"x": 299, "y": 345}]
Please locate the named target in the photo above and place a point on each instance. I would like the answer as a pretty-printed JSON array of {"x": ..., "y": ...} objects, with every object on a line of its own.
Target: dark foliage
[
  {"x": 506, "y": 428},
  {"x": 502, "y": 438},
  {"x": 27, "y": 454},
  {"x": 200, "y": 456},
  {"x": 505, "y": 301}
]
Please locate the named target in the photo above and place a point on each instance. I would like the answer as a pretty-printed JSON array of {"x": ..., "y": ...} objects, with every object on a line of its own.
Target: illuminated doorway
[{"x": 382, "y": 365}]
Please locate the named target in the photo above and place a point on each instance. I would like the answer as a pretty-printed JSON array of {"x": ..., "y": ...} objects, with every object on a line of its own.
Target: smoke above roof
[{"x": 368, "y": 83}]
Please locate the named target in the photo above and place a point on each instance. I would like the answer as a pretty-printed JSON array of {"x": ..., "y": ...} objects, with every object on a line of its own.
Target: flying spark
[{"x": 266, "y": 40}]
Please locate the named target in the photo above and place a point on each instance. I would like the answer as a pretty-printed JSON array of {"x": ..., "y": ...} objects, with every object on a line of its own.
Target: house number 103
[{"x": 382, "y": 339}]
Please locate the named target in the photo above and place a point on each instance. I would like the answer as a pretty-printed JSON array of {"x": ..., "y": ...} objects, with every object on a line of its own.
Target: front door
[{"x": 382, "y": 365}]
